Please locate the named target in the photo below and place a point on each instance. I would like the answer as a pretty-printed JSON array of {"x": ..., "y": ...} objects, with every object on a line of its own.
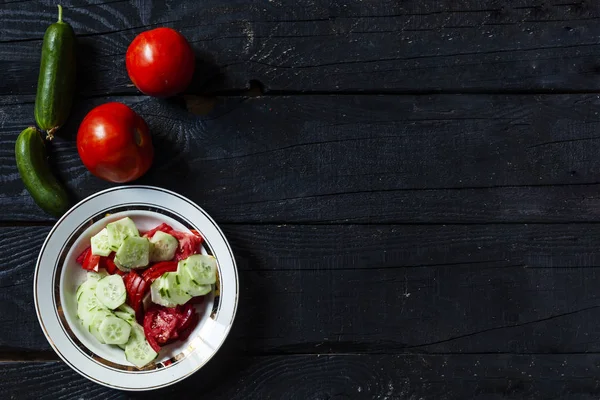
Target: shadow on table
[{"x": 208, "y": 76}]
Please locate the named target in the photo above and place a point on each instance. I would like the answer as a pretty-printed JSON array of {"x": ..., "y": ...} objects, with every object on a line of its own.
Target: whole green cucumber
[
  {"x": 56, "y": 81},
  {"x": 46, "y": 190}
]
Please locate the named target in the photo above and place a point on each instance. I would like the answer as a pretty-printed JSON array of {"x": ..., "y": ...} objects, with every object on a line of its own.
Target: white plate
[{"x": 57, "y": 277}]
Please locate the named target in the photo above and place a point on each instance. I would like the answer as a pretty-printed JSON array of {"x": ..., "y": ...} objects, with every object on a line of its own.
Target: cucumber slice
[
  {"x": 133, "y": 253},
  {"x": 121, "y": 267},
  {"x": 100, "y": 244},
  {"x": 125, "y": 316},
  {"x": 119, "y": 230},
  {"x": 96, "y": 276},
  {"x": 126, "y": 309},
  {"x": 189, "y": 285},
  {"x": 158, "y": 294},
  {"x": 139, "y": 353},
  {"x": 111, "y": 291},
  {"x": 171, "y": 287},
  {"x": 87, "y": 303},
  {"x": 88, "y": 316},
  {"x": 96, "y": 321},
  {"x": 89, "y": 284},
  {"x": 201, "y": 268},
  {"x": 137, "y": 333},
  {"x": 137, "y": 350},
  {"x": 162, "y": 247},
  {"x": 114, "y": 330},
  {"x": 121, "y": 346}
]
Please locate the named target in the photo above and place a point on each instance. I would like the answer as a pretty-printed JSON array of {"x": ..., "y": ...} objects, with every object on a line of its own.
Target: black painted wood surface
[{"x": 411, "y": 190}]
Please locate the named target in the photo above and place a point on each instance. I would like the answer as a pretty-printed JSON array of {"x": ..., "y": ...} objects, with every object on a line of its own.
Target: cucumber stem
[{"x": 60, "y": 13}]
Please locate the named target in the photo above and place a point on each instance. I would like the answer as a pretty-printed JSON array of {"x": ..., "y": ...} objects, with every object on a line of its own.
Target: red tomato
[
  {"x": 163, "y": 325},
  {"x": 162, "y": 227},
  {"x": 89, "y": 261},
  {"x": 158, "y": 269},
  {"x": 114, "y": 143},
  {"x": 136, "y": 288},
  {"x": 188, "y": 244},
  {"x": 185, "y": 332},
  {"x": 109, "y": 264},
  {"x": 185, "y": 315},
  {"x": 81, "y": 257},
  {"x": 160, "y": 62}
]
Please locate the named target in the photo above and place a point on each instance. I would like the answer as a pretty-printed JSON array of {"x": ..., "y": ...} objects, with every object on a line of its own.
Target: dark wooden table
[{"x": 411, "y": 190}]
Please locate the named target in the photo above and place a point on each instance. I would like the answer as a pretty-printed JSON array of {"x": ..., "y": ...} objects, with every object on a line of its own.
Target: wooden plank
[
  {"x": 381, "y": 288},
  {"x": 359, "y": 159},
  {"x": 325, "y": 45},
  {"x": 386, "y": 377}
]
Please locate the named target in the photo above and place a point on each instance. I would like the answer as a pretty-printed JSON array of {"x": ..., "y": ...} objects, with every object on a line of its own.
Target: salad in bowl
[
  {"x": 136, "y": 287},
  {"x": 141, "y": 287}
]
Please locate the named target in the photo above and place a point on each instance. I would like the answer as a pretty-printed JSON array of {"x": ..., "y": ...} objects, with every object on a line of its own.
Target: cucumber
[
  {"x": 119, "y": 230},
  {"x": 137, "y": 333},
  {"x": 188, "y": 284},
  {"x": 168, "y": 291},
  {"x": 158, "y": 294},
  {"x": 162, "y": 247},
  {"x": 42, "y": 185},
  {"x": 96, "y": 321},
  {"x": 89, "y": 284},
  {"x": 139, "y": 353},
  {"x": 201, "y": 268},
  {"x": 121, "y": 267},
  {"x": 96, "y": 276},
  {"x": 100, "y": 245},
  {"x": 137, "y": 350},
  {"x": 56, "y": 81},
  {"x": 111, "y": 291},
  {"x": 125, "y": 316},
  {"x": 86, "y": 311},
  {"x": 126, "y": 309},
  {"x": 88, "y": 302},
  {"x": 114, "y": 330},
  {"x": 134, "y": 252}
]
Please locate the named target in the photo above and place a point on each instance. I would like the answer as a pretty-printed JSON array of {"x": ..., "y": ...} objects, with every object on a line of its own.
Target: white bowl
[{"x": 58, "y": 275}]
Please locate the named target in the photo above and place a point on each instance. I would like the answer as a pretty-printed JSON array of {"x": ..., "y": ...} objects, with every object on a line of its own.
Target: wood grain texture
[
  {"x": 339, "y": 377},
  {"x": 325, "y": 45},
  {"x": 353, "y": 159},
  {"x": 382, "y": 288}
]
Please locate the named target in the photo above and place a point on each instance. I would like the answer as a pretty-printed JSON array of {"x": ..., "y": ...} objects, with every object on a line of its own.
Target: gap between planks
[
  {"x": 42, "y": 223},
  {"x": 49, "y": 356}
]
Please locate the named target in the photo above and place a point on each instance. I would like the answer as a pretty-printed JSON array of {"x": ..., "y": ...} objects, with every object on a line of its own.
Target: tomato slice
[
  {"x": 159, "y": 323},
  {"x": 81, "y": 257},
  {"x": 132, "y": 283},
  {"x": 188, "y": 244},
  {"x": 109, "y": 264},
  {"x": 195, "y": 232},
  {"x": 184, "y": 316},
  {"x": 163, "y": 325},
  {"x": 156, "y": 271},
  {"x": 162, "y": 227},
  {"x": 142, "y": 289},
  {"x": 134, "y": 292},
  {"x": 91, "y": 262},
  {"x": 127, "y": 280},
  {"x": 196, "y": 300},
  {"x": 88, "y": 261},
  {"x": 140, "y": 292},
  {"x": 185, "y": 333},
  {"x": 151, "y": 314}
]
